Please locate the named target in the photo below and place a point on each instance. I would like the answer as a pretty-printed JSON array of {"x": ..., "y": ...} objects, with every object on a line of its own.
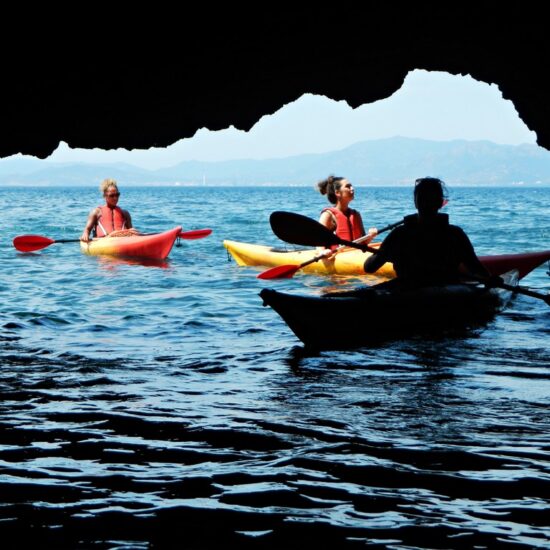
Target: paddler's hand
[
  {"x": 372, "y": 232},
  {"x": 85, "y": 237},
  {"x": 493, "y": 281},
  {"x": 325, "y": 252}
]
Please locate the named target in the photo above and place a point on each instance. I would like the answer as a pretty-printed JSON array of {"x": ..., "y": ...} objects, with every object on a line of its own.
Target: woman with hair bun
[{"x": 340, "y": 218}]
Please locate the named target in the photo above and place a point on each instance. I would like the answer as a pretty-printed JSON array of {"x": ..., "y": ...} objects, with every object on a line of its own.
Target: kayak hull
[
  {"x": 350, "y": 261},
  {"x": 377, "y": 314},
  {"x": 150, "y": 247}
]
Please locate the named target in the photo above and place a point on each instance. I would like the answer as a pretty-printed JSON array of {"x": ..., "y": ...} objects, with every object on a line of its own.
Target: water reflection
[{"x": 111, "y": 262}]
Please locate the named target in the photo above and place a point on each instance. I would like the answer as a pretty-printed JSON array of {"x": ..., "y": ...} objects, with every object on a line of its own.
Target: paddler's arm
[
  {"x": 470, "y": 261},
  {"x": 477, "y": 271},
  {"x": 361, "y": 226},
  {"x": 376, "y": 261},
  {"x": 328, "y": 220},
  {"x": 371, "y": 234},
  {"x": 127, "y": 219},
  {"x": 90, "y": 224},
  {"x": 476, "y": 268}
]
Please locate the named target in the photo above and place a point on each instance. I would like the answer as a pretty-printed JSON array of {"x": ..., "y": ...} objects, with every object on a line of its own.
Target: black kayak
[{"x": 371, "y": 314}]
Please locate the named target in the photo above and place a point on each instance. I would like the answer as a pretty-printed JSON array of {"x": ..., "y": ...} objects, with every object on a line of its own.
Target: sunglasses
[{"x": 113, "y": 195}]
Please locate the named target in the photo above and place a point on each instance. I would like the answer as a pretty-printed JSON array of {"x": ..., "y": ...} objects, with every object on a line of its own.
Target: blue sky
[{"x": 430, "y": 105}]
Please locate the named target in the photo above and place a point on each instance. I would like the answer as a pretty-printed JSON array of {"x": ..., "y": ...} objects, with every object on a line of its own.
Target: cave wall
[{"x": 154, "y": 85}]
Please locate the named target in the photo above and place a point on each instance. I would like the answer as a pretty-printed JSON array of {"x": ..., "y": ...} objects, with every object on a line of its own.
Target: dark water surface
[{"x": 165, "y": 407}]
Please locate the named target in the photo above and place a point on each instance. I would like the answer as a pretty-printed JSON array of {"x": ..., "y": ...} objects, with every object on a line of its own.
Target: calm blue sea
[{"x": 152, "y": 407}]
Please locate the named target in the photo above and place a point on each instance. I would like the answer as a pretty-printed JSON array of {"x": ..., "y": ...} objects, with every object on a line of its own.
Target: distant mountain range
[{"x": 393, "y": 161}]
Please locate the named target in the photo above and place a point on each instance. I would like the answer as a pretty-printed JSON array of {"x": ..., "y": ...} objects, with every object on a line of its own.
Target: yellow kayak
[{"x": 348, "y": 261}]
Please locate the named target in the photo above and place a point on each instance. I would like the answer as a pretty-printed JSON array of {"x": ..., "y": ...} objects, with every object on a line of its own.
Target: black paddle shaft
[{"x": 297, "y": 229}]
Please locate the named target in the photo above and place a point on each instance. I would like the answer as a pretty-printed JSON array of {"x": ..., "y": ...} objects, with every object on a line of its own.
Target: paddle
[
  {"x": 288, "y": 271},
  {"x": 297, "y": 229},
  {"x": 31, "y": 243},
  {"x": 517, "y": 289}
]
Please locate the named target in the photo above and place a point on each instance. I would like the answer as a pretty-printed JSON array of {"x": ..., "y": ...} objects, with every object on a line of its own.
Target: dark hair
[
  {"x": 329, "y": 187},
  {"x": 429, "y": 195}
]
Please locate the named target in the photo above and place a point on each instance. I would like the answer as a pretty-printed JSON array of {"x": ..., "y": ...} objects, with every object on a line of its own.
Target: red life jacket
[
  {"x": 347, "y": 226},
  {"x": 111, "y": 219}
]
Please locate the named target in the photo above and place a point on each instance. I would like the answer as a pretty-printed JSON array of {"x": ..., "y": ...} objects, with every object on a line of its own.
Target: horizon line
[{"x": 20, "y": 156}]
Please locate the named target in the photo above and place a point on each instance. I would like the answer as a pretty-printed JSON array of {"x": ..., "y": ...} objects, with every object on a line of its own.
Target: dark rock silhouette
[{"x": 105, "y": 88}]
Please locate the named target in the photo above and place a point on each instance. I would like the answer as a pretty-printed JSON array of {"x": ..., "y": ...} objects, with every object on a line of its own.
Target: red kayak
[
  {"x": 522, "y": 263},
  {"x": 154, "y": 247}
]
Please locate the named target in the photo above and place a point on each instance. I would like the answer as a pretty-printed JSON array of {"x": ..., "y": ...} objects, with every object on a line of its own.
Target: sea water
[{"x": 163, "y": 406}]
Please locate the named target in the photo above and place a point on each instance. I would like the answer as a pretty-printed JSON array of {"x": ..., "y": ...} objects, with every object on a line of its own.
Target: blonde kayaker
[
  {"x": 340, "y": 218},
  {"x": 108, "y": 219}
]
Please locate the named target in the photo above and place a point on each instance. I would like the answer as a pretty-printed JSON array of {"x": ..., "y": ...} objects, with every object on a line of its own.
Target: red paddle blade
[
  {"x": 30, "y": 243},
  {"x": 279, "y": 272},
  {"x": 194, "y": 234}
]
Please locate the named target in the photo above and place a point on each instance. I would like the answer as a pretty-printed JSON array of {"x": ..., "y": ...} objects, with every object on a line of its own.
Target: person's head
[
  {"x": 429, "y": 194},
  {"x": 334, "y": 187},
  {"x": 109, "y": 189}
]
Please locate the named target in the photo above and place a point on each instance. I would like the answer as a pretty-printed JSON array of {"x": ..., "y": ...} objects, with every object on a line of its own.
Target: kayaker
[
  {"x": 426, "y": 249},
  {"x": 340, "y": 218},
  {"x": 108, "y": 219}
]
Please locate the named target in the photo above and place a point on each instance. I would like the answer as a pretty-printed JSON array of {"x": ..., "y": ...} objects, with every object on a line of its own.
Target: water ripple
[{"x": 163, "y": 406}]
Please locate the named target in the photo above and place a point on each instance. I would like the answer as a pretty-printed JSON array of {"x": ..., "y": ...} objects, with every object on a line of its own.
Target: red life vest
[
  {"x": 348, "y": 226},
  {"x": 111, "y": 219}
]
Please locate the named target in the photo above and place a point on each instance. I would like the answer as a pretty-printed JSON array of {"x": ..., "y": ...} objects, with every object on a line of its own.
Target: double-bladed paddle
[
  {"x": 297, "y": 229},
  {"x": 301, "y": 230},
  {"x": 288, "y": 271},
  {"x": 32, "y": 243},
  {"x": 491, "y": 282},
  {"x": 283, "y": 222}
]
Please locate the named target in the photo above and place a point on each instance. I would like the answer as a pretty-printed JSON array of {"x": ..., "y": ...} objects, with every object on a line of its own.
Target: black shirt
[{"x": 426, "y": 250}]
